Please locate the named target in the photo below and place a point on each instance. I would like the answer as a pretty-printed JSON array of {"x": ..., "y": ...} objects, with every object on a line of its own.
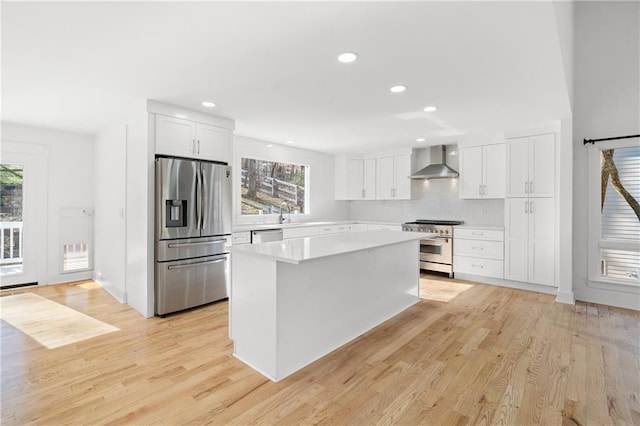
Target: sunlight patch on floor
[
  {"x": 49, "y": 323},
  {"x": 441, "y": 291}
]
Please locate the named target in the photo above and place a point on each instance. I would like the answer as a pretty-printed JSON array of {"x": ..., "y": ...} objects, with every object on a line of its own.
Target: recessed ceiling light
[
  {"x": 269, "y": 146},
  {"x": 420, "y": 140},
  {"x": 398, "y": 89},
  {"x": 208, "y": 104},
  {"x": 430, "y": 108},
  {"x": 289, "y": 142},
  {"x": 347, "y": 57}
]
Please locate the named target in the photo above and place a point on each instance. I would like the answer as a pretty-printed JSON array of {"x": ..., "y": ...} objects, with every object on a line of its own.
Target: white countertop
[
  {"x": 261, "y": 226},
  {"x": 490, "y": 228},
  {"x": 300, "y": 250}
]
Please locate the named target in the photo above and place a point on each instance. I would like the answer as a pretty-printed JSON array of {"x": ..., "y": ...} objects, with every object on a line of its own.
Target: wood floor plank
[{"x": 465, "y": 354}]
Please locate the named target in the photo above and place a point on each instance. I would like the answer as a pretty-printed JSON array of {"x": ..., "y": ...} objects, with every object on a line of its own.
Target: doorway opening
[{"x": 11, "y": 219}]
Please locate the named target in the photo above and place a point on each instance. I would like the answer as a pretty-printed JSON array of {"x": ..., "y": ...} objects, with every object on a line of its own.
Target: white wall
[
  {"x": 321, "y": 177},
  {"x": 606, "y": 103},
  {"x": 110, "y": 203},
  {"x": 433, "y": 199},
  {"x": 140, "y": 216},
  {"x": 124, "y": 213},
  {"x": 70, "y": 185}
]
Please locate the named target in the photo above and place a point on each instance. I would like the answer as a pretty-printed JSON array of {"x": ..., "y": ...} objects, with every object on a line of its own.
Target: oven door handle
[{"x": 435, "y": 242}]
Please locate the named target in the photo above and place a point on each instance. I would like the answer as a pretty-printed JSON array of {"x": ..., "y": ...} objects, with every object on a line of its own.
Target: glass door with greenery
[{"x": 11, "y": 219}]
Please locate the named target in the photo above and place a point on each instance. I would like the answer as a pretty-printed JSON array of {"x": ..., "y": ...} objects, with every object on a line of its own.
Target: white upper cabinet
[
  {"x": 213, "y": 143},
  {"x": 482, "y": 171},
  {"x": 373, "y": 178},
  {"x": 531, "y": 166},
  {"x": 392, "y": 177},
  {"x": 175, "y": 136},
  {"x": 186, "y": 138},
  {"x": 355, "y": 179}
]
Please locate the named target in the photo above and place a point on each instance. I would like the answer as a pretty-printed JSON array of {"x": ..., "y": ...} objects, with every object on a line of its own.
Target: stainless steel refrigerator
[{"x": 193, "y": 227}]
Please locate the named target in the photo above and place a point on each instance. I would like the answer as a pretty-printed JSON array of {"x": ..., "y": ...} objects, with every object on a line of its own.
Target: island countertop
[{"x": 300, "y": 250}]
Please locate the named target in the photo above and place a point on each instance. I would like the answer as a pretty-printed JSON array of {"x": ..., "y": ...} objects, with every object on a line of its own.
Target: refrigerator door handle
[
  {"x": 198, "y": 200},
  {"x": 205, "y": 243},
  {"x": 203, "y": 211},
  {"x": 193, "y": 265}
]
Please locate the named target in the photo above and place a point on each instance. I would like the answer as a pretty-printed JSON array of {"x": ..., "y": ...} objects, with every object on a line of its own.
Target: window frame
[
  {"x": 271, "y": 216},
  {"x": 594, "y": 220}
]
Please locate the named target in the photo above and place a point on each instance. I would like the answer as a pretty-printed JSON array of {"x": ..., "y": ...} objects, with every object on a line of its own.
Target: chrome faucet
[{"x": 281, "y": 218}]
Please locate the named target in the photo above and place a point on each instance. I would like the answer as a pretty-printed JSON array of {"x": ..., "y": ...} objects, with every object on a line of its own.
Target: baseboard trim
[
  {"x": 508, "y": 283},
  {"x": 566, "y": 297},
  {"x": 119, "y": 295}
]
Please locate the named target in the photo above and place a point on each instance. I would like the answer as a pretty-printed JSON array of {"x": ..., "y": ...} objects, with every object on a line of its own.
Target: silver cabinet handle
[
  {"x": 477, "y": 248},
  {"x": 526, "y": 207},
  {"x": 192, "y": 265},
  {"x": 198, "y": 146},
  {"x": 530, "y": 206},
  {"x": 202, "y": 243},
  {"x": 479, "y": 189},
  {"x": 477, "y": 233},
  {"x": 477, "y": 266},
  {"x": 193, "y": 146},
  {"x": 530, "y": 187},
  {"x": 526, "y": 187}
]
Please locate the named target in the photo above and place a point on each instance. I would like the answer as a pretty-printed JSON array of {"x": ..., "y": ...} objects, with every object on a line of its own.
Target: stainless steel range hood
[{"x": 438, "y": 169}]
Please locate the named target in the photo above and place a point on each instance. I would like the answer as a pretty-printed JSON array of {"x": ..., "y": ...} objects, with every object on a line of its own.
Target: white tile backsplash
[{"x": 433, "y": 199}]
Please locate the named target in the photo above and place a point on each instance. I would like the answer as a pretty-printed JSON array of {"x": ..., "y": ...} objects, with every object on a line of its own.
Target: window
[
  {"x": 269, "y": 187},
  {"x": 619, "y": 243}
]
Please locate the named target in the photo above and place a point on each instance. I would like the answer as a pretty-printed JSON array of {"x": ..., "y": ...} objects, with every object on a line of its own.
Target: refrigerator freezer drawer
[
  {"x": 187, "y": 248},
  {"x": 192, "y": 282}
]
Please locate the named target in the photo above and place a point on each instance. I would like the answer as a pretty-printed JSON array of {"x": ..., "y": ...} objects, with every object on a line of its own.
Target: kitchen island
[{"x": 295, "y": 301}]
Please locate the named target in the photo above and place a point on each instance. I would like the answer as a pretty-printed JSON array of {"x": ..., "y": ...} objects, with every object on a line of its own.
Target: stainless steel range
[{"x": 436, "y": 254}]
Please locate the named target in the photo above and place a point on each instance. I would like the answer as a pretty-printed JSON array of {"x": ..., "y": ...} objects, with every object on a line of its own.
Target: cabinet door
[
  {"x": 470, "y": 172},
  {"x": 541, "y": 238},
  {"x": 517, "y": 167},
  {"x": 493, "y": 167},
  {"x": 516, "y": 239},
  {"x": 369, "y": 178},
  {"x": 175, "y": 136},
  {"x": 542, "y": 166},
  {"x": 213, "y": 143},
  {"x": 402, "y": 183},
  {"x": 354, "y": 175},
  {"x": 385, "y": 175}
]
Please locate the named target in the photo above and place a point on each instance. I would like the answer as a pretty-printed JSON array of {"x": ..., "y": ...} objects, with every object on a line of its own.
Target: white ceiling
[{"x": 488, "y": 66}]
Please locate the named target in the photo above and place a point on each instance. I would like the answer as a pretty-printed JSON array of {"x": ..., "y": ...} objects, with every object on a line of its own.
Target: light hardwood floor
[{"x": 466, "y": 354}]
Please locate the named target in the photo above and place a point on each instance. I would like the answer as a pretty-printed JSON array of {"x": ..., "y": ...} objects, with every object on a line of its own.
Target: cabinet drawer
[
  {"x": 241, "y": 237},
  {"x": 309, "y": 231},
  {"x": 375, "y": 227},
  {"x": 479, "y": 234},
  {"x": 482, "y": 267},
  {"x": 478, "y": 248}
]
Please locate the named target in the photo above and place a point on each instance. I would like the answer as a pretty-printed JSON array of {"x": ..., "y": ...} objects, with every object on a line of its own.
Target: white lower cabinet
[
  {"x": 529, "y": 242},
  {"x": 243, "y": 237},
  {"x": 383, "y": 227},
  {"x": 478, "y": 252}
]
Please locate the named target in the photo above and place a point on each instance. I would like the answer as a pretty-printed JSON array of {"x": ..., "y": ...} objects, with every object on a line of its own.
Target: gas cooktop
[{"x": 435, "y": 222}]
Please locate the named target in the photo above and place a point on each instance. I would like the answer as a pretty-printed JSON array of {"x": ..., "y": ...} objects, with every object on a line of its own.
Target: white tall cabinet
[
  {"x": 531, "y": 166},
  {"x": 529, "y": 246},
  {"x": 482, "y": 171},
  {"x": 530, "y": 210}
]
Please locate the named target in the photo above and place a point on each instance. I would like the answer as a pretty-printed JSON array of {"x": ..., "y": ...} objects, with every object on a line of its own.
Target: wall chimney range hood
[{"x": 438, "y": 169}]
